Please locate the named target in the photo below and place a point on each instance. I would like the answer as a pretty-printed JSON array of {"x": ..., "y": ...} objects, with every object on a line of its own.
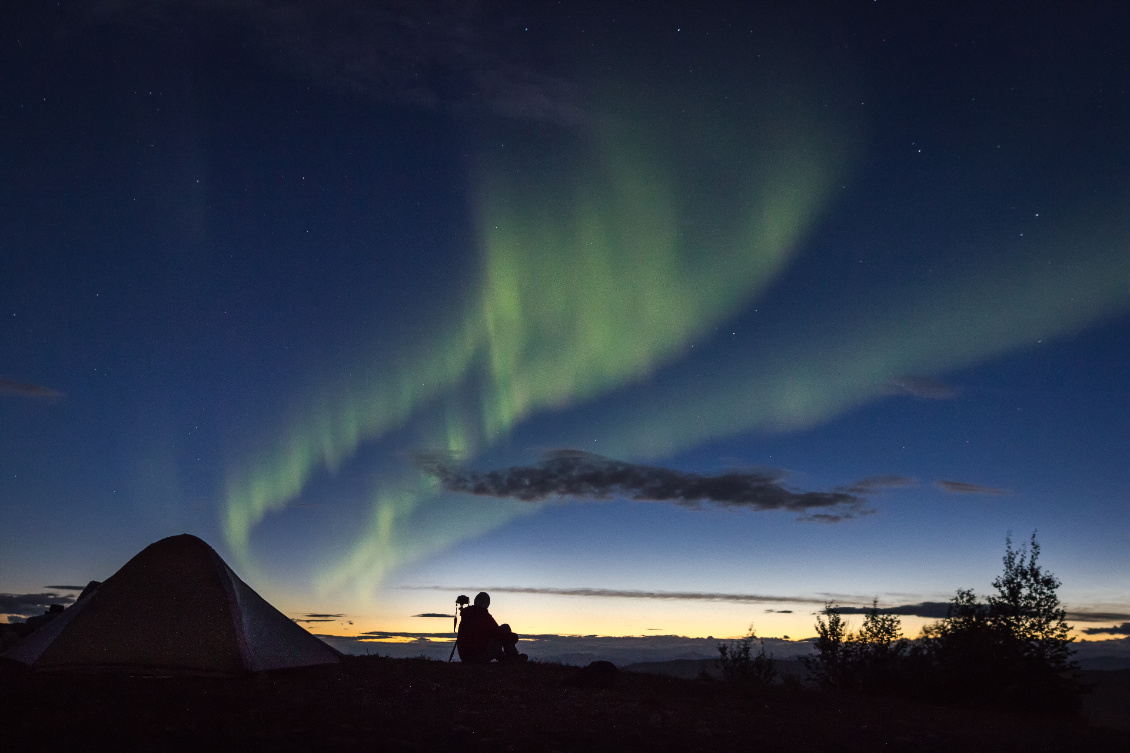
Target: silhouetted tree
[
  {"x": 1012, "y": 651},
  {"x": 868, "y": 659},
  {"x": 829, "y": 667},
  {"x": 742, "y": 668},
  {"x": 875, "y": 653},
  {"x": 957, "y": 656},
  {"x": 1026, "y": 608}
]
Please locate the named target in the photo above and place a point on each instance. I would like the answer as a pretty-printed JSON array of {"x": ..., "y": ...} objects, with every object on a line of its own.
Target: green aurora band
[
  {"x": 606, "y": 253},
  {"x": 1045, "y": 288}
]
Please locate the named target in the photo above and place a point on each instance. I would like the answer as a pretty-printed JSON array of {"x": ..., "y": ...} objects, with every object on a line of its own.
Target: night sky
[{"x": 649, "y": 318}]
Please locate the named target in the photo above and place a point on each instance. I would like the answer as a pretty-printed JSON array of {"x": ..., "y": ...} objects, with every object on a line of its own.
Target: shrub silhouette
[
  {"x": 876, "y": 652},
  {"x": 868, "y": 660},
  {"x": 1013, "y": 651},
  {"x": 744, "y": 670},
  {"x": 829, "y": 667}
]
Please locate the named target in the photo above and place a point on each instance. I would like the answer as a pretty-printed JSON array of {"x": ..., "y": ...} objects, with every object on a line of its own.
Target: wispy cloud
[
  {"x": 315, "y": 617},
  {"x": 66, "y": 588},
  {"x": 26, "y": 605},
  {"x": 1123, "y": 629},
  {"x": 939, "y": 609},
  {"x": 430, "y": 55},
  {"x": 846, "y": 603},
  {"x": 28, "y": 390},
  {"x": 614, "y": 593},
  {"x": 923, "y": 387},
  {"x": 877, "y": 484},
  {"x": 831, "y": 518},
  {"x": 434, "y": 614},
  {"x": 962, "y": 487},
  {"x": 1084, "y": 616},
  {"x": 583, "y": 475},
  {"x": 931, "y": 609}
]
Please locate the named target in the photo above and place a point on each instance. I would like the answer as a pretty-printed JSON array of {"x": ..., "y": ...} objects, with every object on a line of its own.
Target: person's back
[
  {"x": 481, "y": 639},
  {"x": 476, "y": 630}
]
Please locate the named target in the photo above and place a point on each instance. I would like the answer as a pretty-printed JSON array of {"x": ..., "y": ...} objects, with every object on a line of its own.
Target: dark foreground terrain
[{"x": 374, "y": 703}]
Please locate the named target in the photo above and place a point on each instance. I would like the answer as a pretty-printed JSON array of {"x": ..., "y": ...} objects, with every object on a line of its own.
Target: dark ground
[
  {"x": 1106, "y": 703},
  {"x": 375, "y": 703}
]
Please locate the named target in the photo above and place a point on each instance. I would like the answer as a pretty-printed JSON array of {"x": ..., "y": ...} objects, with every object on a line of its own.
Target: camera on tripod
[{"x": 460, "y": 601}]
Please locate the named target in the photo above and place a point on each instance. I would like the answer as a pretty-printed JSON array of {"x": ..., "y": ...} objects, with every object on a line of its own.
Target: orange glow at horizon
[
  {"x": 537, "y": 614},
  {"x": 409, "y": 611}
]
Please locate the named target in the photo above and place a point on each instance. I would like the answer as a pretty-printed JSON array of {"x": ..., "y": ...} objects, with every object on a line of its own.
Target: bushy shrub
[
  {"x": 1013, "y": 651},
  {"x": 743, "y": 669},
  {"x": 876, "y": 652},
  {"x": 829, "y": 666},
  {"x": 868, "y": 660}
]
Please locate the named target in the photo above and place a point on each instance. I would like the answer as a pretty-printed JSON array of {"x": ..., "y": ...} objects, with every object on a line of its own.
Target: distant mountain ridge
[{"x": 625, "y": 651}]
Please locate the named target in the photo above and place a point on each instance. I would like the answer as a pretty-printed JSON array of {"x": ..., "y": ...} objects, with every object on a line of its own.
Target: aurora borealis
[
  {"x": 598, "y": 267},
  {"x": 262, "y": 263}
]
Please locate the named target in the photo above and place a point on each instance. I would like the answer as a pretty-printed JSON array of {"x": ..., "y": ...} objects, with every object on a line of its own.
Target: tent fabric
[{"x": 176, "y": 606}]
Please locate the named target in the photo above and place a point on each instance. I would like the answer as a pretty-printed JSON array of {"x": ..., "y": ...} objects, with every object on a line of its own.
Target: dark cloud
[
  {"x": 829, "y": 518},
  {"x": 1097, "y": 616},
  {"x": 632, "y": 594},
  {"x": 931, "y": 609},
  {"x": 856, "y": 605},
  {"x": 26, "y": 389},
  {"x": 583, "y": 475},
  {"x": 66, "y": 588},
  {"x": 387, "y": 634},
  {"x": 924, "y": 387},
  {"x": 962, "y": 487},
  {"x": 434, "y": 614},
  {"x": 315, "y": 617},
  {"x": 1123, "y": 629},
  {"x": 876, "y": 484},
  {"x": 939, "y": 609},
  {"x": 442, "y": 55},
  {"x": 27, "y": 605}
]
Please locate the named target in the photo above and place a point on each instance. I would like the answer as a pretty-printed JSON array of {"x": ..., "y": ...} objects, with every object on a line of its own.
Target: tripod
[{"x": 460, "y": 602}]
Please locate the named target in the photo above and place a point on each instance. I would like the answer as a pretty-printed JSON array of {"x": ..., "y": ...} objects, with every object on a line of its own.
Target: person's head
[{"x": 482, "y": 599}]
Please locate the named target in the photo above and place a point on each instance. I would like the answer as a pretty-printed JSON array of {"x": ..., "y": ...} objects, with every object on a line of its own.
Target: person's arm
[{"x": 495, "y": 631}]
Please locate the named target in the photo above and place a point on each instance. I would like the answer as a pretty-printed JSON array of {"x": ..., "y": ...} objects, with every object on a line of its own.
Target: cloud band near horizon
[
  {"x": 26, "y": 605},
  {"x": 632, "y": 594},
  {"x": 927, "y": 609}
]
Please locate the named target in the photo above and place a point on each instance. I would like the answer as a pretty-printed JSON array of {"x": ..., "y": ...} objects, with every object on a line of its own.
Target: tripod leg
[{"x": 454, "y": 623}]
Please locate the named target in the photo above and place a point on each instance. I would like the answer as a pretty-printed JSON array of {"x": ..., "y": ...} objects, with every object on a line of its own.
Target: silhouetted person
[{"x": 481, "y": 639}]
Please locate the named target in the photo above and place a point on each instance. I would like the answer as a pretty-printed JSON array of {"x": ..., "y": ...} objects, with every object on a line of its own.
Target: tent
[{"x": 176, "y": 606}]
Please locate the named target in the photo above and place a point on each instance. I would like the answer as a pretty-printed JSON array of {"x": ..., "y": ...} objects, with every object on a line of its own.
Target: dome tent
[{"x": 176, "y": 606}]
